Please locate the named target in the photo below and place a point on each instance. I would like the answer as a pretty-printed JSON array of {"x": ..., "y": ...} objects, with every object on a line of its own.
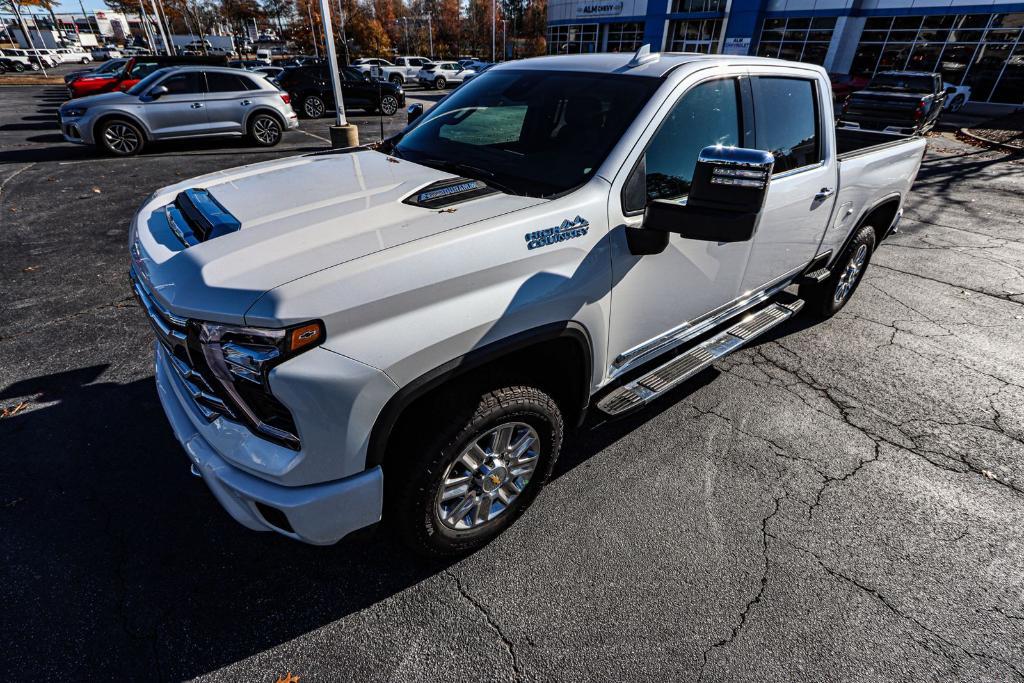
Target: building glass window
[
  {"x": 694, "y": 35},
  {"x": 679, "y": 6},
  {"x": 978, "y": 50},
  {"x": 625, "y": 37},
  {"x": 797, "y": 39},
  {"x": 572, "y": 39}
]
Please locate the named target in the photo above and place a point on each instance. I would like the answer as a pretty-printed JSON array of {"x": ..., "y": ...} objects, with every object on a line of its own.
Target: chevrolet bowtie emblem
[{"x": 495, "y": 479}]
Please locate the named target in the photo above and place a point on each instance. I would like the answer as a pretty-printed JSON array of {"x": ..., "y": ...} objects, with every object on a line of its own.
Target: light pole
[
  {"x": 162, "y": 16},
  {"x": 504, "y": 41},
  {"x": 28, "y": 37},
  {"x": 343, "y": 134},
  {"x": 145, "y": 26},
  {"x": 430, "y": 36},
  {"x": 494, "y": 26},
  {"x": 312, "y": 29}
]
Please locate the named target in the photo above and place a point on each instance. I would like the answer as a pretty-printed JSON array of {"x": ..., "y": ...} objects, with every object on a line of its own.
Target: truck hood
[{"x": 297, "y": 216}]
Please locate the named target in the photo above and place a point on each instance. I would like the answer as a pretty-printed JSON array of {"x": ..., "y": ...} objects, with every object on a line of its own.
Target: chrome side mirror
[{"x": 158, "y": 92}]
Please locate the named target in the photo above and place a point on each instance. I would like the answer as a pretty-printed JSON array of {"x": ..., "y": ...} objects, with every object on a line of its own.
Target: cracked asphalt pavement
[{"x": 841, "y": 502}]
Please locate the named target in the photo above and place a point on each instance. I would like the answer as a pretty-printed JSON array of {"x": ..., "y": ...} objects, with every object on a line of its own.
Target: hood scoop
[
  {"x": 447, "y": 192},
  {"x": 195, "y": 216}
]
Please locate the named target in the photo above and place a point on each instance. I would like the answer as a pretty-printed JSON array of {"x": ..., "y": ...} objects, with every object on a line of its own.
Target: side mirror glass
[
  {"x": 413, "y": 112},
  {"x": 725, "y": 200},
  {"x": 158, "y": 92}
]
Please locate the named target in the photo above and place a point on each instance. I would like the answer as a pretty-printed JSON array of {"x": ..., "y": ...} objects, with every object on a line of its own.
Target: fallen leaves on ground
[{"x": 11, "y": 412}]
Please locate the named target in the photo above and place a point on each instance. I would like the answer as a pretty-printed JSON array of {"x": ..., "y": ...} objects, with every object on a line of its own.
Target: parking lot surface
[{"x": 840, "y": 502}]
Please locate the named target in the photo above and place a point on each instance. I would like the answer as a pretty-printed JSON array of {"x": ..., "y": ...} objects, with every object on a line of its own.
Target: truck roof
[{"x": 659, "y": 64}]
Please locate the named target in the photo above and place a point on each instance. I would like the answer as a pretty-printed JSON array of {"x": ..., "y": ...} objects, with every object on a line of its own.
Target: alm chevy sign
[{"x": 599, "y": 8}]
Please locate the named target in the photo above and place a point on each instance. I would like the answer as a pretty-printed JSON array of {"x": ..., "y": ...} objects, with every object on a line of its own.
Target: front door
[
  {"x": 656, "y": 297},
  {"x": 801, "y": 193},
  {"x": 179, "y": 111}
]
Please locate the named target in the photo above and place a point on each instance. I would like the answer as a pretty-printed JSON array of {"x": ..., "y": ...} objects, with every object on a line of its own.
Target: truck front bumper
[{"x": 320, "y": 514}]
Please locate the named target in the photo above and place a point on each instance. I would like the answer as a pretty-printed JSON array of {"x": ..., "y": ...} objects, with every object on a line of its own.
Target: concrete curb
[{"x": 966, "y": 135}]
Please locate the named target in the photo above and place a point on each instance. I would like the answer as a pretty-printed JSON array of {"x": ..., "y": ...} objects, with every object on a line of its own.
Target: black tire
[
  {"x": 19, "y": 67},
  {"x": 131, "y": 137},
  {"x": 313, "y": 107},
  {"x": 388, "y": 105},
  {"x": 396, "y": 79},
  {"x": 265, "y": 130},
  {"x": 440, "y": 83},
  {"x": 415, "y": 482},
  {"x": 827, "y": 298}
]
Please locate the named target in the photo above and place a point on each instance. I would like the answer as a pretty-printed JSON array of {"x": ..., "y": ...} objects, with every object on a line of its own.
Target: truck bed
[{"x": 851, "y": 142}]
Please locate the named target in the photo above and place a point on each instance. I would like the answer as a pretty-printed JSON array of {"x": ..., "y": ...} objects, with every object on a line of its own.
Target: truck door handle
[
  {"x": 197, "y": 105},
  {"x": 825, "y": 193},
  {"x": 246, "y": 103}
]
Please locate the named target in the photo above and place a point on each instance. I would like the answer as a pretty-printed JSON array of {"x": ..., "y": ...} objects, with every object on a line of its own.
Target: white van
[{"x": 263, "y": 56}]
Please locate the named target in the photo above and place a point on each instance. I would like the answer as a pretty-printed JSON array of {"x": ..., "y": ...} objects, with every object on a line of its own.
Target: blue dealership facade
[{"x": 971, "y": 44}]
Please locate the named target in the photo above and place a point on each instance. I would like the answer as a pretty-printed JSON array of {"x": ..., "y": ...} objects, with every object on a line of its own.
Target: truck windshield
[
  {"x": 536, "y": 133},
  {"x": 902, "y": 83}
]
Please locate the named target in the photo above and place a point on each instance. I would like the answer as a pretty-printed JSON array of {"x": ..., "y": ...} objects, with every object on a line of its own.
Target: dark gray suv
[{"x": 180, "y": 102}]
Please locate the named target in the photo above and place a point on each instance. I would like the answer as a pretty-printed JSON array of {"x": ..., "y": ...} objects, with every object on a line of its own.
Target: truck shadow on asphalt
[{"x": 123, "y": 550}]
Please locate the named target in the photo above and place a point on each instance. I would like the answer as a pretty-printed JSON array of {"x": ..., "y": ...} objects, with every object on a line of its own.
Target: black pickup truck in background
[{"x": 904, "y": 102}]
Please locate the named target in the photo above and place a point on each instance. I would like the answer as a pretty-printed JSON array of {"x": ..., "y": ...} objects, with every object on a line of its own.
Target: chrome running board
[{"x": 661, "y": 379}]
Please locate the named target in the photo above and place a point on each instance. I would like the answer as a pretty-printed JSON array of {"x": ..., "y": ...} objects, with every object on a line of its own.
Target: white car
[
  {"x": 75, "y": 54},
  {"x": 410, "y": 331},
  {"x": 101, "y": 54},
  {"x": 439, "y": 75},
  {"x": 956, "y": 96},
  {"x": 20, "y": 56}
]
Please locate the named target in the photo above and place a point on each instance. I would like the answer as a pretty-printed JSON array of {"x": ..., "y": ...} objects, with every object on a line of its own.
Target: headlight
[
  {"x": 240, "y": 359},
  {"x": 73, "y": 112}
]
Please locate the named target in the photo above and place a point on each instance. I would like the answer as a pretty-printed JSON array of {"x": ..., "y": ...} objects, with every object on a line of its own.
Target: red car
[
  {"x": 843, "y": 85},
  {"x": 133, "y": 71}
]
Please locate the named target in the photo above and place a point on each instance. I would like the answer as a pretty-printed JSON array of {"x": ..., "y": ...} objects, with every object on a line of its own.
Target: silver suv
[{"x": 180, "y": 102}]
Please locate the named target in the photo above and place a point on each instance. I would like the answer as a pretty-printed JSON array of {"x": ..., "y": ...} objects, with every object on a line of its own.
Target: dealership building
[{"x": 978, "y": 45}]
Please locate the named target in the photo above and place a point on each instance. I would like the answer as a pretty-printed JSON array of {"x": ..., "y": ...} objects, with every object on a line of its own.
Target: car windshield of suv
[
  {"x": 902, "y": 83},
  {"x": 535, "y": 133}
]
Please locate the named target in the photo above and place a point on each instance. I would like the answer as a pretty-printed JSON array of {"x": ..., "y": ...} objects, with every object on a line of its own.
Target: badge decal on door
[{"x": 568, "y": 230}]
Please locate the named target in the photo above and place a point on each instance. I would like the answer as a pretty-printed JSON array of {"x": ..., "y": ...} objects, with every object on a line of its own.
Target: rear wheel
[
  {"x": 19, "y": 67},
  {"x": 440, "y": 83},
  {"x": 477, "y": 475},
  {"x": 265, "y": 130},
  {"x": 120, "y": 137},
  {"x": 313, "y": 106},
  {"x": 827, "y": 298}
]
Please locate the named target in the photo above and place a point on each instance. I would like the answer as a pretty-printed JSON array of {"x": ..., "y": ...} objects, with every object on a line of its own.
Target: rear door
[
  {"x": 181, "y": 110},
  {"x": 228, "y": 100},
  {"x": 793, "y": 117}
]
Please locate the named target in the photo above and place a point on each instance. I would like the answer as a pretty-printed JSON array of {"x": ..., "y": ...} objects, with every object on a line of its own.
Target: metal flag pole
[
  {"x": 494, "y": 26},
  {"x": 145, "y": 27},
  {"x": 28, "y": 37},
  {"x": 343, "y": 134},
  {"x": 159, "y": 25}
]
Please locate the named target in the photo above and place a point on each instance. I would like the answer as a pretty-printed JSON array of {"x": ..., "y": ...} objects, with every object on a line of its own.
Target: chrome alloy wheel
[
  {"x": 266, "y": 130},
  {"x": 313, "y": 107},
  {"x": 121, "y": 138},
  {"x": 851, "y": 274},
  {"x": 388, "y": 105},
  {"x": 488, "y": 476}
]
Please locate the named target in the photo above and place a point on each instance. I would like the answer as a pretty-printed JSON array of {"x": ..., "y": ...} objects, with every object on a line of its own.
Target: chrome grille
[{"x": 172, "y": 333}]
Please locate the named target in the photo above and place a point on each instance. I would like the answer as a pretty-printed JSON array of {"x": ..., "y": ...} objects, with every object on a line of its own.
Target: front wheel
[
  {"x": 388, "y": 105},
  {"x": 440, "y": 83},
  {"x": 396, "y": 79},
  {"x": 265, "y": 130},
  {"x": 827, "y": 298},
  {"x": 120, "y": 137},
  {"x": 471, "y": 481}
]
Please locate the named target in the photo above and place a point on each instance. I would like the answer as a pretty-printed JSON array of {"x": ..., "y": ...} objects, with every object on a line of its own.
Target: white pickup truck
[
  {"x": 404, "y": 69},
  {"x": 407, "y": 331}
]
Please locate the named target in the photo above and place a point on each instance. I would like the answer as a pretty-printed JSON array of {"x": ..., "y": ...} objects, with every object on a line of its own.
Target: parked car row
[
  {"x": 427, "y": 73},
  {"x": 310, "y": 91}
]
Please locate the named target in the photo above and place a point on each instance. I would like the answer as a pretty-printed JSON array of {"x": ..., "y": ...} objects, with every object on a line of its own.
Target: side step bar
[{"x": 687, "y": 364}]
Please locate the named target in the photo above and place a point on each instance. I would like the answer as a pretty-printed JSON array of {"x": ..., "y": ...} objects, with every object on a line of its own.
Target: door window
[
  {"x": 787, "y": 121},
  {"x": 708, "y": 114},
  {"x": 183, "y": 84}
]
